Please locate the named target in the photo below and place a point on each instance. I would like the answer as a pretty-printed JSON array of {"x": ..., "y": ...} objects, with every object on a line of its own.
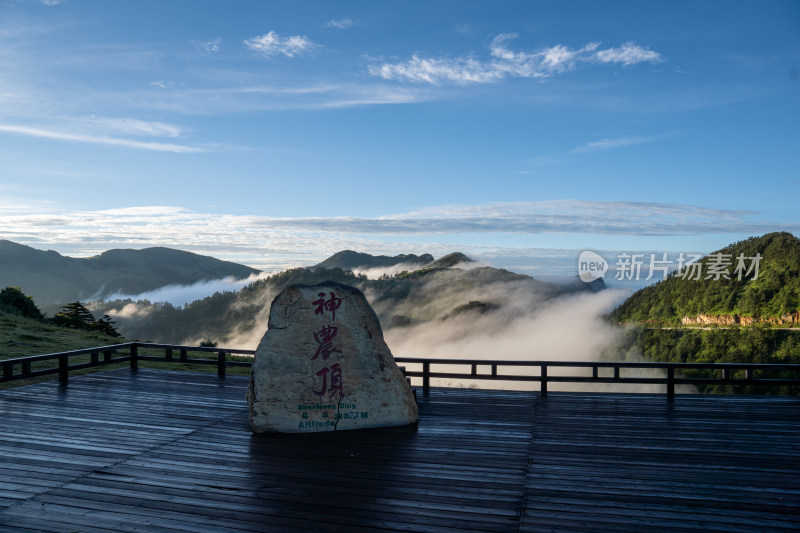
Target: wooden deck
[{"x": 158, "y": 450}]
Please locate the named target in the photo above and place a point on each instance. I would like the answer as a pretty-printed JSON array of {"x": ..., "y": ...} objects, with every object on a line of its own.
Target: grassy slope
[{"x": 20, "y": 336}]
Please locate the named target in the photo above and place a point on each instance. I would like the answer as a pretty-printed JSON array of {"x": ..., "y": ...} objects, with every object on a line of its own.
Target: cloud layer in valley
[
  {"x": 524, "y": 323},
  {"x": 180, "y": 295}
]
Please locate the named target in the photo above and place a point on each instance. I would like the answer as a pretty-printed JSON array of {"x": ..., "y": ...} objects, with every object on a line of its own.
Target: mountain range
[
  {"x": 451, "y": 287},
  {"x": 51, "y": 278}
]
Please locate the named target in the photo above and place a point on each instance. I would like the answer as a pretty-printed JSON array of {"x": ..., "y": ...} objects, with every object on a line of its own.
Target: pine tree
[{"x": 74, "y": 315}]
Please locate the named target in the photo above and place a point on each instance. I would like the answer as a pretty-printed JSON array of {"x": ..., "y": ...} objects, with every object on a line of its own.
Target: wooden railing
[
  {"x": 487, "y": 369},
  {"x": 22, "y": 367},
  {"x": 620, "y": 372}
]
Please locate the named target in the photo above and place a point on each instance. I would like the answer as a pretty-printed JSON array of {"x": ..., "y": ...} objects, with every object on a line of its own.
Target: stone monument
[{"x": 323, "y": 366}]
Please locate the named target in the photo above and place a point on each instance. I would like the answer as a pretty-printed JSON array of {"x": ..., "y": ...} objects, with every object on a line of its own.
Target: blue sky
[{"x": 277, "y": 133}]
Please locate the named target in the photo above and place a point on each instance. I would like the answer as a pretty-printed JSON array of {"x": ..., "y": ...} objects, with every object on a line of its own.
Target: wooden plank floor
[{"x": 171, "y": 451}]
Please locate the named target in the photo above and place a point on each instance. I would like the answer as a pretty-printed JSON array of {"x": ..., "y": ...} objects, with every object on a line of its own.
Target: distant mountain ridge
[
  {"x": 53, "y": 278},
  {"x": 773, "y": 297},
  {"x": 350, "y": 260}
]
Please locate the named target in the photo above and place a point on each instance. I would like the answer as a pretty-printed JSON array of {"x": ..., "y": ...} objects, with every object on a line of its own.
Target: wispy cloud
[
  {"x": 133, "y": 126},
  {"x": 608, "y": 143},
  {"x": 435, "y": 71},
  {"x": 611, "y": 143},
  {"x": 340, "y": 24},
  {"x": 506, "y": 63},
  {"x": 272, "y": 44},
  {"x": 628, "y": 54},
  {"x": 208, "y": 47},
  {"x": 96, "y": 139},
  {"x": 162, "y": 84},
  {"x": 272, "y": 97}
]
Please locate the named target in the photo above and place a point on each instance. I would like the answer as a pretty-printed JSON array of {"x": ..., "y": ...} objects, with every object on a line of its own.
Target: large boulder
[{"x": 323, "y": 366}]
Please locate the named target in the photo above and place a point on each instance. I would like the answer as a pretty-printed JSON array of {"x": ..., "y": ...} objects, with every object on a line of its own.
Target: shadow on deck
[{"x": 158, "y": 450}]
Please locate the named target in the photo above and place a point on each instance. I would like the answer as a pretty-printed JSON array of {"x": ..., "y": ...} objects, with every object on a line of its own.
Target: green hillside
[
  {"x": 773, "y": 297},
  {"x": 659, "y": 317},
  {"x": 53, "y": 279}
]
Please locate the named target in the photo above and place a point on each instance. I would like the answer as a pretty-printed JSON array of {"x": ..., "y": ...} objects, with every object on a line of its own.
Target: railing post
[
  {"x": 426, "y": 379},
  {"x": 544, "y": 380},
  {"x": 63, "y": 369},
  {"x": 594, "y": 372},
  {"x": 169, "y": 354},
  {"x": 134, "y": 356},
  {"x": 221, "y": 363},
  {"x": 94, "y": 357},
  {"x": 494, "y": 370},
  {"x": 26, "y": 369},
  {"x": 474, "y": 369},
  {"x": 8, "y": 371},
  {"x": 403, "y": 371},
  {"x": 183, "y": 355},
  {"x": 107, "y": 355},
  {"x": 670, "y": 383}
]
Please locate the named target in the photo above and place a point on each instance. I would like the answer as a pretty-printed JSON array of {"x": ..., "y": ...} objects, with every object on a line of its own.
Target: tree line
[
  {"x": 752, "y": 344},
  {"x": 73, "y": 315}
]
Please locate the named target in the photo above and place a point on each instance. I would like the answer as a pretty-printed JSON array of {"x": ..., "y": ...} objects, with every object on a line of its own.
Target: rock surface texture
[{"x": 323, "y": 366}]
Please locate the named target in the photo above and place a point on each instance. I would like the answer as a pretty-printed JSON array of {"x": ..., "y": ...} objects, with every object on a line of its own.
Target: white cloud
[
  {"x": 286, "y": 242},
  {"x": 133, "y": 126},
  {"x": 505, "y": 63},
  {"x": 149, "y": 210},
  {"x": 180, "y": 295},
  {"x": 208, "y": 47},
  {"x": 274, "y": 244},
  {"x": 340, "y": 24},
  {"x": 96, "y": 139},
  {"x": 435, "y": 71},
  {"x": 611, "y": 143},
  {"x": 270, "y": 97},
  {"x": 162, "y": 84},
  {"x": 629, "y": 54},
  {"x": 271, "y": 44}
]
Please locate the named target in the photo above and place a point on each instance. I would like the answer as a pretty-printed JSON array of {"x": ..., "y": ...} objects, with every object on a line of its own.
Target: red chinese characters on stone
[
  {"x": 331, "y": 376},
  {"x": 327, "y": 305},
  {"x": 335, "y": 372},
  {"x": 324, "y": 338}
]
